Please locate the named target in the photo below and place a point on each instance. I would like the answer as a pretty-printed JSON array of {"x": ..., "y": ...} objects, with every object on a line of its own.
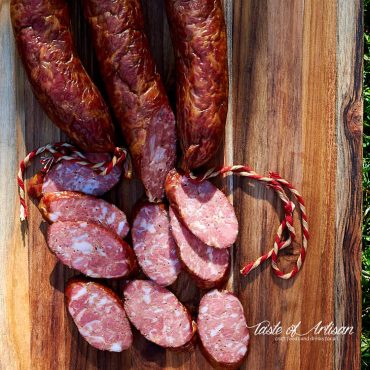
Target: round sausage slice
[
  {"x": 154, "y": 245},
  {"x": 73, "y": 206},
  {"x": 222, "y": 329},
  {"x": 207, "y": 265},
  {"x": 203, "y": 208},
  {"x": 158, "y": 314},
  {"x": 91, "y": 249},
  {"x": 72, "y": 176},
  {"x": 99, "y": 315}
]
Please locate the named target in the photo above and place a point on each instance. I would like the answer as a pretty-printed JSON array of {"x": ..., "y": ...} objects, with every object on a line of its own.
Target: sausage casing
[
  {"x": 57, "y": 76},
  {"x": 135, "y": 90},
  {"x": 198, "y": 33}
]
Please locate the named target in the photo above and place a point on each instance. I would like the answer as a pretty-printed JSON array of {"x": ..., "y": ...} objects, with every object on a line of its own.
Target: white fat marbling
[
  {"x": 159, "y": 155},
  {"x": 81, "y": 238},
  {"x": 79, "y": 294},
  {"x": 121, "y": 225},
  {"x": 116, "y": 347},
  {"x": 104, "y": 212},
  {"x": 216, "y": 330},
  {"x": 80, "y": 314},
  {"x": 204, "y": 309},
  {"x": 101, "y": 252},
  {"x": 54, "y": 216},
  {"x": 90, "y": 325},
  {"x": 242, "y": 350},
  {"x": 147, "y": 226},
  {"x": 83, "y": 247},
  {"x": 111, "y": 218},
  {"x": 93, "y": 297},
  {"x": 146, "y": 297}
]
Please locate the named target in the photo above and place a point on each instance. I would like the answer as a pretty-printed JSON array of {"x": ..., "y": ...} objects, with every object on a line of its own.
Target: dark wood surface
[{"x": 295, "y": 108}]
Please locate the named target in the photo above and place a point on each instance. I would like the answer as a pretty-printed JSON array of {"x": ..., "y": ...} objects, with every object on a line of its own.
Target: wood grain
[
  {"x": 294, "y": 108},
  {"x": 347, "y": 286},
  {"x": 286, "y": 99}
]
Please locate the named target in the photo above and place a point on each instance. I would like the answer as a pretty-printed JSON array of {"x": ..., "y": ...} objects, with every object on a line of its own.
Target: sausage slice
[
  {"x": 223, "y": 329},
  {"x": 207, "y": 265},
  {"x": 91, "y": 249},
  {"x": 158, "y": 314},
  {"x": 99, "y": 315},
  {"x": 73, "y": 206},
  {"x": 154, "y": 245},
  {"x": 203, "y": 208},
  {"x": 72, "y": 176}
]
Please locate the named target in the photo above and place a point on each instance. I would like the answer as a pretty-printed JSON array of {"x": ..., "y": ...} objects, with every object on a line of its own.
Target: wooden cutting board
[{"x": 295, "y": 108}]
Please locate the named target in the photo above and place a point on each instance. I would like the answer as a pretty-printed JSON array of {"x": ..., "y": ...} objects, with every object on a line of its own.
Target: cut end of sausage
[
  {"x": 91, "y": 249},
  {"x": 72, "y": 176},
  {"x": 159, "y": 153},
  {"x": 203, "y": 208},
  {"x": 223, "y": 329},
  {"x": 154, "y": 245},
  {"x": 73, "y": 206},
  {"x": 207, "y": 265},
  {"x": 135, "y": 89},
  {"x": 158, "y": 314},
  {"x": 99, "y": 315}
]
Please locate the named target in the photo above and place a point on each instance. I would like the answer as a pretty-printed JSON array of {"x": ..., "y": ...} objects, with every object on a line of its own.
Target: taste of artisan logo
[{"x": 319, "y": 331}]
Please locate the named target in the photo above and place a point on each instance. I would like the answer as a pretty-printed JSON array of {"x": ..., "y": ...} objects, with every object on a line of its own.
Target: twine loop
[
  {"x": 285, "y": 234},
  {"x": 54, "y": 153}
]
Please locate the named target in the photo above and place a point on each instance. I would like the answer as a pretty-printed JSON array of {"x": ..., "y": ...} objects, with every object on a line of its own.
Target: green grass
[{"x": 365, "y": 337}]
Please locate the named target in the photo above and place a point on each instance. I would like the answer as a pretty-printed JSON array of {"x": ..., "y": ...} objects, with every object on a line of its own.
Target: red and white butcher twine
[
  {"x": 67, "y": 152},
  {"x": 276, "y": 182},
  {"x": 284, "y": 235}
]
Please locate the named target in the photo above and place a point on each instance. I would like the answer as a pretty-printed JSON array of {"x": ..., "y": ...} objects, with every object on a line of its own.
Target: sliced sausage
[
  {"x": 135, "y": 90},
  {"x": 198, "y": 34},
  {"x": 59, "y": 81},
  {"x": 222, "y": 329},
  {"x": 203, "y": 208},
  {"x": 154, "y": 245},
  {"x": 99, "y": 315},
  {"x": 72, "y": 176},
  {"x": 158, "y": 314},
  {"x": 207, "y": 265},
  {"x": 91, "y": 249},
  {"x": 72, "y": 206}
]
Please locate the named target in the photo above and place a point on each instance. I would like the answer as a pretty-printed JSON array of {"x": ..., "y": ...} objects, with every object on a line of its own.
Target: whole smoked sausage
[
  {"x": 198, "y": 33},
  {"x": 59, "y": 81},
  {"x": 135, "y": 90}
]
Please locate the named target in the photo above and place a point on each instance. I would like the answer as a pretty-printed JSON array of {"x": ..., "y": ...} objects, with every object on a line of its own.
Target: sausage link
[
  {"x": 134, "y": 88},
  {"x": 198, "y": 33},
  {"x": 59, "y": 81}
]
